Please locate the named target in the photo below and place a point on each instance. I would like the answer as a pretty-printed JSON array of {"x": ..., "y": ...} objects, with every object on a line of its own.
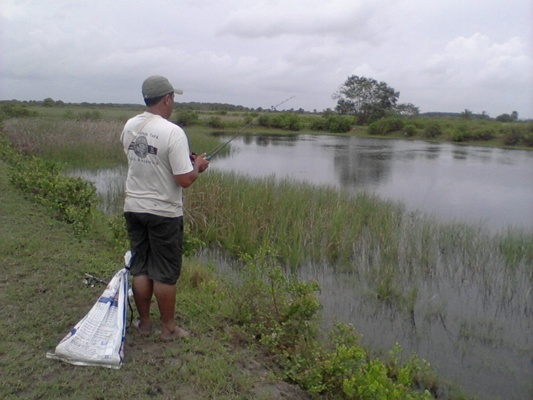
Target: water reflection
[
  {"x": 474, "y": 333},
  {"x": 491, "y": 187},
  {"x": 472, "y": 322},
  {"x": 109, "y": 183}
]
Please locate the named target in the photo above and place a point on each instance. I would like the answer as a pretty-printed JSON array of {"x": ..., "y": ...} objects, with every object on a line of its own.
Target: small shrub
[
  {"x": 528, "y": 139},
  {"x": 187, "y": 118},
  {"x": 280, "y": 311},
  {"x": 215, "y": 122},
  {"x": 485, "y": 133},
  {"x": 94, "y": 115},
  {"x": 460, "y": 134},
  {"x": 265, "y": 121},
  {"x": 11, "y": 110},
  {"x": 73, "y": 199},
  {"x": 69, "y": 114},
  {"x": 409, "y": 129},
  {"x": 338, "y": 123},
  {"x": 385, "y": 125},
  {"x": 318, "y": 124},
  {"x": 287, "y": 121},
  {"x": 512, "y": 136},
  {"x": 343, "y": 369},
  {"x": 432, "y": 129}
]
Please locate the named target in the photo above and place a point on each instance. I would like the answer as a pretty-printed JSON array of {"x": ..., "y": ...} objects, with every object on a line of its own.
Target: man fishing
[{"x": 160, "y": 165}]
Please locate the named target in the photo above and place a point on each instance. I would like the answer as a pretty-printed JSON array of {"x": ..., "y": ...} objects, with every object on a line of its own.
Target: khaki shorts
[{"x": 157, "y": 246}]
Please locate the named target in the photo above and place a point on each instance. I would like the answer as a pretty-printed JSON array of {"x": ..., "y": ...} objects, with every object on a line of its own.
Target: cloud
[
  {"x": 477, "y": 72},
  {"x": 441, "y": 57},
  {"x": 477, "y": 59},
  {"x": 274, "y": 19}
]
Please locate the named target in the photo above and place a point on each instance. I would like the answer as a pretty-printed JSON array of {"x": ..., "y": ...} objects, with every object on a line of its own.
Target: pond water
[
  {"x": 487, "y": 186},
  {"x": 475, "y": 334}
]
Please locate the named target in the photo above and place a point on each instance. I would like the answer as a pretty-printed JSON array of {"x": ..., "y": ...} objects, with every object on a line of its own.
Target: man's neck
[{"x": 157, "y": 111}]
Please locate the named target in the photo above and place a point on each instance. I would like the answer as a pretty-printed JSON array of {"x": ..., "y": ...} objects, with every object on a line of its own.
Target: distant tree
[
  {"x": 49, "y": 102},
  {"x": 504, "y": 118},
  {"x": 407, "y": 110},
  {"x": 466, "y": 114},
  {"x": 514, "y": 115},
  {"x": 365, "y": 98}
]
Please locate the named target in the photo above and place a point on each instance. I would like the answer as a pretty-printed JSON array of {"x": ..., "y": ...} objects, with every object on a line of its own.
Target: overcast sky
[{"x": 441, "y": 55}]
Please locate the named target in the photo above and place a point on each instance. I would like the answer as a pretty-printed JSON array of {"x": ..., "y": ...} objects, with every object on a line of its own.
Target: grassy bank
[
  {"x": 250, "y": 336},
  {"x": 43, "y": 295},
  {"x": 393, "y": 250},
  {"x": 459, "y": 129},
  {"x": 273, "y": 324}
]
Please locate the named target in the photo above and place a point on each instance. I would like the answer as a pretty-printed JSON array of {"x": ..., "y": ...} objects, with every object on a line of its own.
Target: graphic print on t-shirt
[{"x": 141, "y": 148}]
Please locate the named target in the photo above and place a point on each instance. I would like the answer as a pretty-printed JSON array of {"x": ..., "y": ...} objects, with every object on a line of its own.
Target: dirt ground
[{"x": 138, "y": 347}]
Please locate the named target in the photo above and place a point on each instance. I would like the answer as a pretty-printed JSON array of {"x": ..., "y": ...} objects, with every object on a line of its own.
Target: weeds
[
  {"x": 280, "y": 313},
  {"x": 265, "y": 307},
  {"x": 73, "y": 199},
  {"x": 273, "y": 310}
]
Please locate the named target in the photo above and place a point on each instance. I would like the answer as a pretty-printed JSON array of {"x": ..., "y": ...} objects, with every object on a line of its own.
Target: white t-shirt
[{"x": 155, "y": 154}]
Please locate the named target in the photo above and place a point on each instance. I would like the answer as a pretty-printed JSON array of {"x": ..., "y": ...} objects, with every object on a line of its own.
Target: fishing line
[{"x": 213, "y": 152}]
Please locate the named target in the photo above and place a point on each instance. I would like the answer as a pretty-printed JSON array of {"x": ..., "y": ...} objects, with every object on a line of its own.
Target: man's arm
[{"x": 200, "y": 164}]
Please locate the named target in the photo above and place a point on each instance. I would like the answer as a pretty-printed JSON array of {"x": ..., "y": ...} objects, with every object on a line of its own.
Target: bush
[
  {"x": 69, "y": 114},
  {"x": 215, "y": 122},
  {"x": 280, "y": 311},
  {"x": 385, "y": 125},
  {"x": 338, "y": 123},
  {"x": 187, "y": 118},
  {"x": 512, "y": 136},
  {"x": 318, "y": 124},
  {"x": 286, "y": 121},
  {"x": 94, "y": 115},
  {"x": 528, "y": 139},
  {"x": 432, "y": 129},
  {"x": 484, "y": 133},
  {"x": 460, "y": 135},
  {"x": 11, "y": 110},
  {"x": 409, "y": 129},
  {"x": 73, "y": 199}
]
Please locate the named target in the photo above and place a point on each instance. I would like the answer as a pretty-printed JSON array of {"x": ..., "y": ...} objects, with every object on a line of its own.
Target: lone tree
[{"x": 365, "y": 98}]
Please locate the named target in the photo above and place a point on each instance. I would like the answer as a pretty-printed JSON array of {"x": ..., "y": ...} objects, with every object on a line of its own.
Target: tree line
[
  {"x": 369, "y": 100},
  {"x": 363, "y": 98}
]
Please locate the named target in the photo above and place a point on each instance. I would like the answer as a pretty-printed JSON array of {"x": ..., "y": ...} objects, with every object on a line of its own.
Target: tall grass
[
  {"x": 304, "y": 223},
  {"x": 380, "y": 241},
  {"x": 88, "y": 144},
  {"x": 395, "y": 252}
]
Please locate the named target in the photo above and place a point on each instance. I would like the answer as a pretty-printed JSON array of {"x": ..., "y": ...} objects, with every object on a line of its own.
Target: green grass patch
[
  {"x": 239, "y": 327},
  {"x": 266, "y": 315}
]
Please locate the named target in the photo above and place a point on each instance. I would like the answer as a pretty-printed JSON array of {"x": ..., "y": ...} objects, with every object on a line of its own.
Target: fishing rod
[
  {"x": 89, "y": 280},
  {"x": 92, "y": 280},
  {"x": 213, "y": 152}
]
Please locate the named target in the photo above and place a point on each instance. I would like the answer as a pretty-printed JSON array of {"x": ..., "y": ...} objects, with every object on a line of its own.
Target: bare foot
[
  {"x": 177, "y": 333},
  {"x": 143, "y": 330}
]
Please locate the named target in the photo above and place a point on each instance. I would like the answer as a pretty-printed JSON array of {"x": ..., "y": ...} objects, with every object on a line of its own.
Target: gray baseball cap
[{"x": 157, "y": 85}]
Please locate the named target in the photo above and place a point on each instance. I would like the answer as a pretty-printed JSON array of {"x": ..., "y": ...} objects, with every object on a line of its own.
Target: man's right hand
[{"x": 201, "y": 162}]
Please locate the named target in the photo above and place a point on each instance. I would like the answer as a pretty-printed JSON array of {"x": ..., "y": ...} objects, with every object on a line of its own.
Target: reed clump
[
  {"x": 88, "y": 143},
  {"x": 394, "y": 251},
  {"x": 80, "y": 143},
  {"x": 304, "y": 223}
]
